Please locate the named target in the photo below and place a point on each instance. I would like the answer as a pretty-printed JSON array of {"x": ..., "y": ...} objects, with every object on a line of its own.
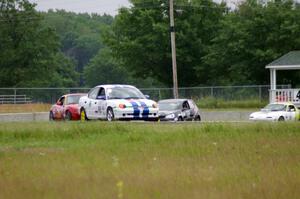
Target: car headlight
[
  {"x": 122, "y": 106},
  {"x": 171, "y": 116}
]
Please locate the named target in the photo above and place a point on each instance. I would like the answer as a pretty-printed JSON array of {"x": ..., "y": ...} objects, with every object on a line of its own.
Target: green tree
[
  {"x": 103, "y": 69},
  {"x": 140, "y": 38},
  {"x": 79, "y": 34},
  {"x": 29, "y": 51},
  {"x": 251, "y": 37}
]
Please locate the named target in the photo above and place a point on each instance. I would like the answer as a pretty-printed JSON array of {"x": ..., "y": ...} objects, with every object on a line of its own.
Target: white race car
[
  {"x": 276, "y": 112},
  {"x": 121, "y": 102}
]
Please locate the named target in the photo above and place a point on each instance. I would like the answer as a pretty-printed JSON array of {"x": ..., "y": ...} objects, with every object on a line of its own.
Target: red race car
[{"x": 66, "y": 107}]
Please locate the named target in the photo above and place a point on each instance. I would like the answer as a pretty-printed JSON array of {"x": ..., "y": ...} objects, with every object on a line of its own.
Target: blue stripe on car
[
  {"x": 136, "y": 111},
  {"x": 145, "y": 113}
]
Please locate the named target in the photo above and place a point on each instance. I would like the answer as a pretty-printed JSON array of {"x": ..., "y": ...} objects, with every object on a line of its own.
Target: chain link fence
[{"x": 50, "y": 95}]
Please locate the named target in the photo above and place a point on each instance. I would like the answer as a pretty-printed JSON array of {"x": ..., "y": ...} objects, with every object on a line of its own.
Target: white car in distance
[
  {"x": 276, "y": 112},
  {"x": 117, "y": 102}
]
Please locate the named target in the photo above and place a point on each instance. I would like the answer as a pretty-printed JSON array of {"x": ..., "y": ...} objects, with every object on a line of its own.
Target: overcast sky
[{"x": 91, "y": 6}]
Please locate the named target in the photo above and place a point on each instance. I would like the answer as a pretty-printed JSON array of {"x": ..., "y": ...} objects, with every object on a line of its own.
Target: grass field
[{"x": 138, "y": 160}]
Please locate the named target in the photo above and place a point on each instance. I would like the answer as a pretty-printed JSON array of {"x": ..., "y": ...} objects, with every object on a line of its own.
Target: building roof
[{"x": 289, "y": 61}]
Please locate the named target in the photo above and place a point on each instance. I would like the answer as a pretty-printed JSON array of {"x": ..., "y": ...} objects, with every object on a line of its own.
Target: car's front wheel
[
  {"x": 180, "y": 119},
  {"x": 51, "y": 116},
  {"x": 110, "y": 115},
  {"x": 281, "y": 119},
  {"x": 83, "y": 116}
]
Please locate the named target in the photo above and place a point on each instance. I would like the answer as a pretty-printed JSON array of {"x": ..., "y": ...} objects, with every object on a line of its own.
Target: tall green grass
[{"x": 152, "y": 160}]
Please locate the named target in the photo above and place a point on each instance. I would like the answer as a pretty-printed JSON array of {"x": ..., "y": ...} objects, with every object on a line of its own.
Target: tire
[
  {"x": 198, "y": 118},
  {"x": 83, "y": 116},
  {"x": 281, "y": 119},
  {"x": 68, "y": 116},
  {"x": 51, "y": 116},
  {"x": 110, "y": 115},
  {"x": 180, "y": 119}
]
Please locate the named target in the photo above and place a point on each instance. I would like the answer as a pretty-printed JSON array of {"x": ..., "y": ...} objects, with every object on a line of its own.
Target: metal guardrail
[
  {"x": 244, "y": 92},
  {"x": 14, "y": 99}
]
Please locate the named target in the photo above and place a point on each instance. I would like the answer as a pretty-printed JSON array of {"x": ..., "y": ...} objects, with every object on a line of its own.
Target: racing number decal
[{"x": 101, "y": 109}]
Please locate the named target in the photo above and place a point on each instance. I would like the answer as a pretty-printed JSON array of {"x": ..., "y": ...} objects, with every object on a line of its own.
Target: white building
[{"x": 289, "y": 61}]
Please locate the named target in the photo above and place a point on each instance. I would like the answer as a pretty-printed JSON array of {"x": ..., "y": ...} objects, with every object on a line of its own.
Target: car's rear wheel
[
  {"x": 68, "y": 116},
  {"x": 83, "y": 116},
  {"x": 110, "y": 115},
  {"x": 198, "y": 118},
  {"x": 51, "y": 116},
  {"x": 180, "y": 119},
  {"x": 281, "y": 119}
]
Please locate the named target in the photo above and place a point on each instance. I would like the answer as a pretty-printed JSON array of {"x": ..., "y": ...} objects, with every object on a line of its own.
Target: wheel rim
[
  {"x": 82, "y": 115},
  {"x": 110, "y": 115},
  {"x": 68, "y": 116}
]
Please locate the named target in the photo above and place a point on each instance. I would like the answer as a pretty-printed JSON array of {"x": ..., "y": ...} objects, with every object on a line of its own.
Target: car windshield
[
  {"x": 73, "y": 99},
  {"x": 275, "y": 107},
  {"x": 124, "y": 93},
  {"x": 169, "y": 106}
]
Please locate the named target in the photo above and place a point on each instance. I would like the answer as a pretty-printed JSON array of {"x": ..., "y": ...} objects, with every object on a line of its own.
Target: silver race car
[{"x": 178, "y": 110}]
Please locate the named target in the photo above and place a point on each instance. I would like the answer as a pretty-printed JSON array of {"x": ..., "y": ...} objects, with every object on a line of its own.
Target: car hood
[
  {"x": 132, "y": 102},
  {"x": 164, "y": 113}
]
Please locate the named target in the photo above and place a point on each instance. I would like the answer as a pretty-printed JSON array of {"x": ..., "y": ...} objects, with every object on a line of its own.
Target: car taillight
[{"x": 122, "y": 106}]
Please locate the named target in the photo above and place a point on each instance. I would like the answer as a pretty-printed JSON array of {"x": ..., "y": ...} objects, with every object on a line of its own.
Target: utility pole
[{"x": 173, "y": 46}]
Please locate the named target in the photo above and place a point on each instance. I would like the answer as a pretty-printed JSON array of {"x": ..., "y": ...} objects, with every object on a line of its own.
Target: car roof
[
  {"x": 115, "y": 85},
  {"x": 172, "y": 100},
  {"x": 70, "y": 94}
]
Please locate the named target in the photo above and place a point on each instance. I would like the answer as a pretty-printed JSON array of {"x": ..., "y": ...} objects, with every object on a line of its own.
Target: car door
[
  {"x": 59, "y": 108},
  {"x": 90, "y": 106},
  {"x": 291, "y": 112},
  {"x": 186, "y": 110},
  {"x": 193, "y": 109},
  {"x": 99, "y": 106}
]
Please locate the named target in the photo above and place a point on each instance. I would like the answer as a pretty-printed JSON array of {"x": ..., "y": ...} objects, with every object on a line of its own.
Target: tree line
[{"x": 216, "y": 44}]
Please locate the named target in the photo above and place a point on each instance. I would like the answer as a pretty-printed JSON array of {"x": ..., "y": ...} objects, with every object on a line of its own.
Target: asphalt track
[{"x": 206, "y": 116}]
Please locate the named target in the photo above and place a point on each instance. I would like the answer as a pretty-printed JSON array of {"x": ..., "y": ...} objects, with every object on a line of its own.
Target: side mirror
[
  {"x": 147, "y": 96},
  {"x": 59, "y": 103},
  {"x": 292, "y": 110}
]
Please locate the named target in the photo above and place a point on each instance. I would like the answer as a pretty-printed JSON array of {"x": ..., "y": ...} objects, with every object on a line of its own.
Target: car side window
[
  {"x": 101, "y": 94},
  {"x": 93, "y": 93},
  {"x": 291, "y": 108},
  {"x": 61, "y": 101},
  {"x": 185, "y": 105}
]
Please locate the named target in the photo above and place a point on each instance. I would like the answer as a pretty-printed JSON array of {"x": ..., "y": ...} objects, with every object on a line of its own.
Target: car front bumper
[
  {"x": 262, "y": 119},
  {"x": 136, "y": 114}
]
